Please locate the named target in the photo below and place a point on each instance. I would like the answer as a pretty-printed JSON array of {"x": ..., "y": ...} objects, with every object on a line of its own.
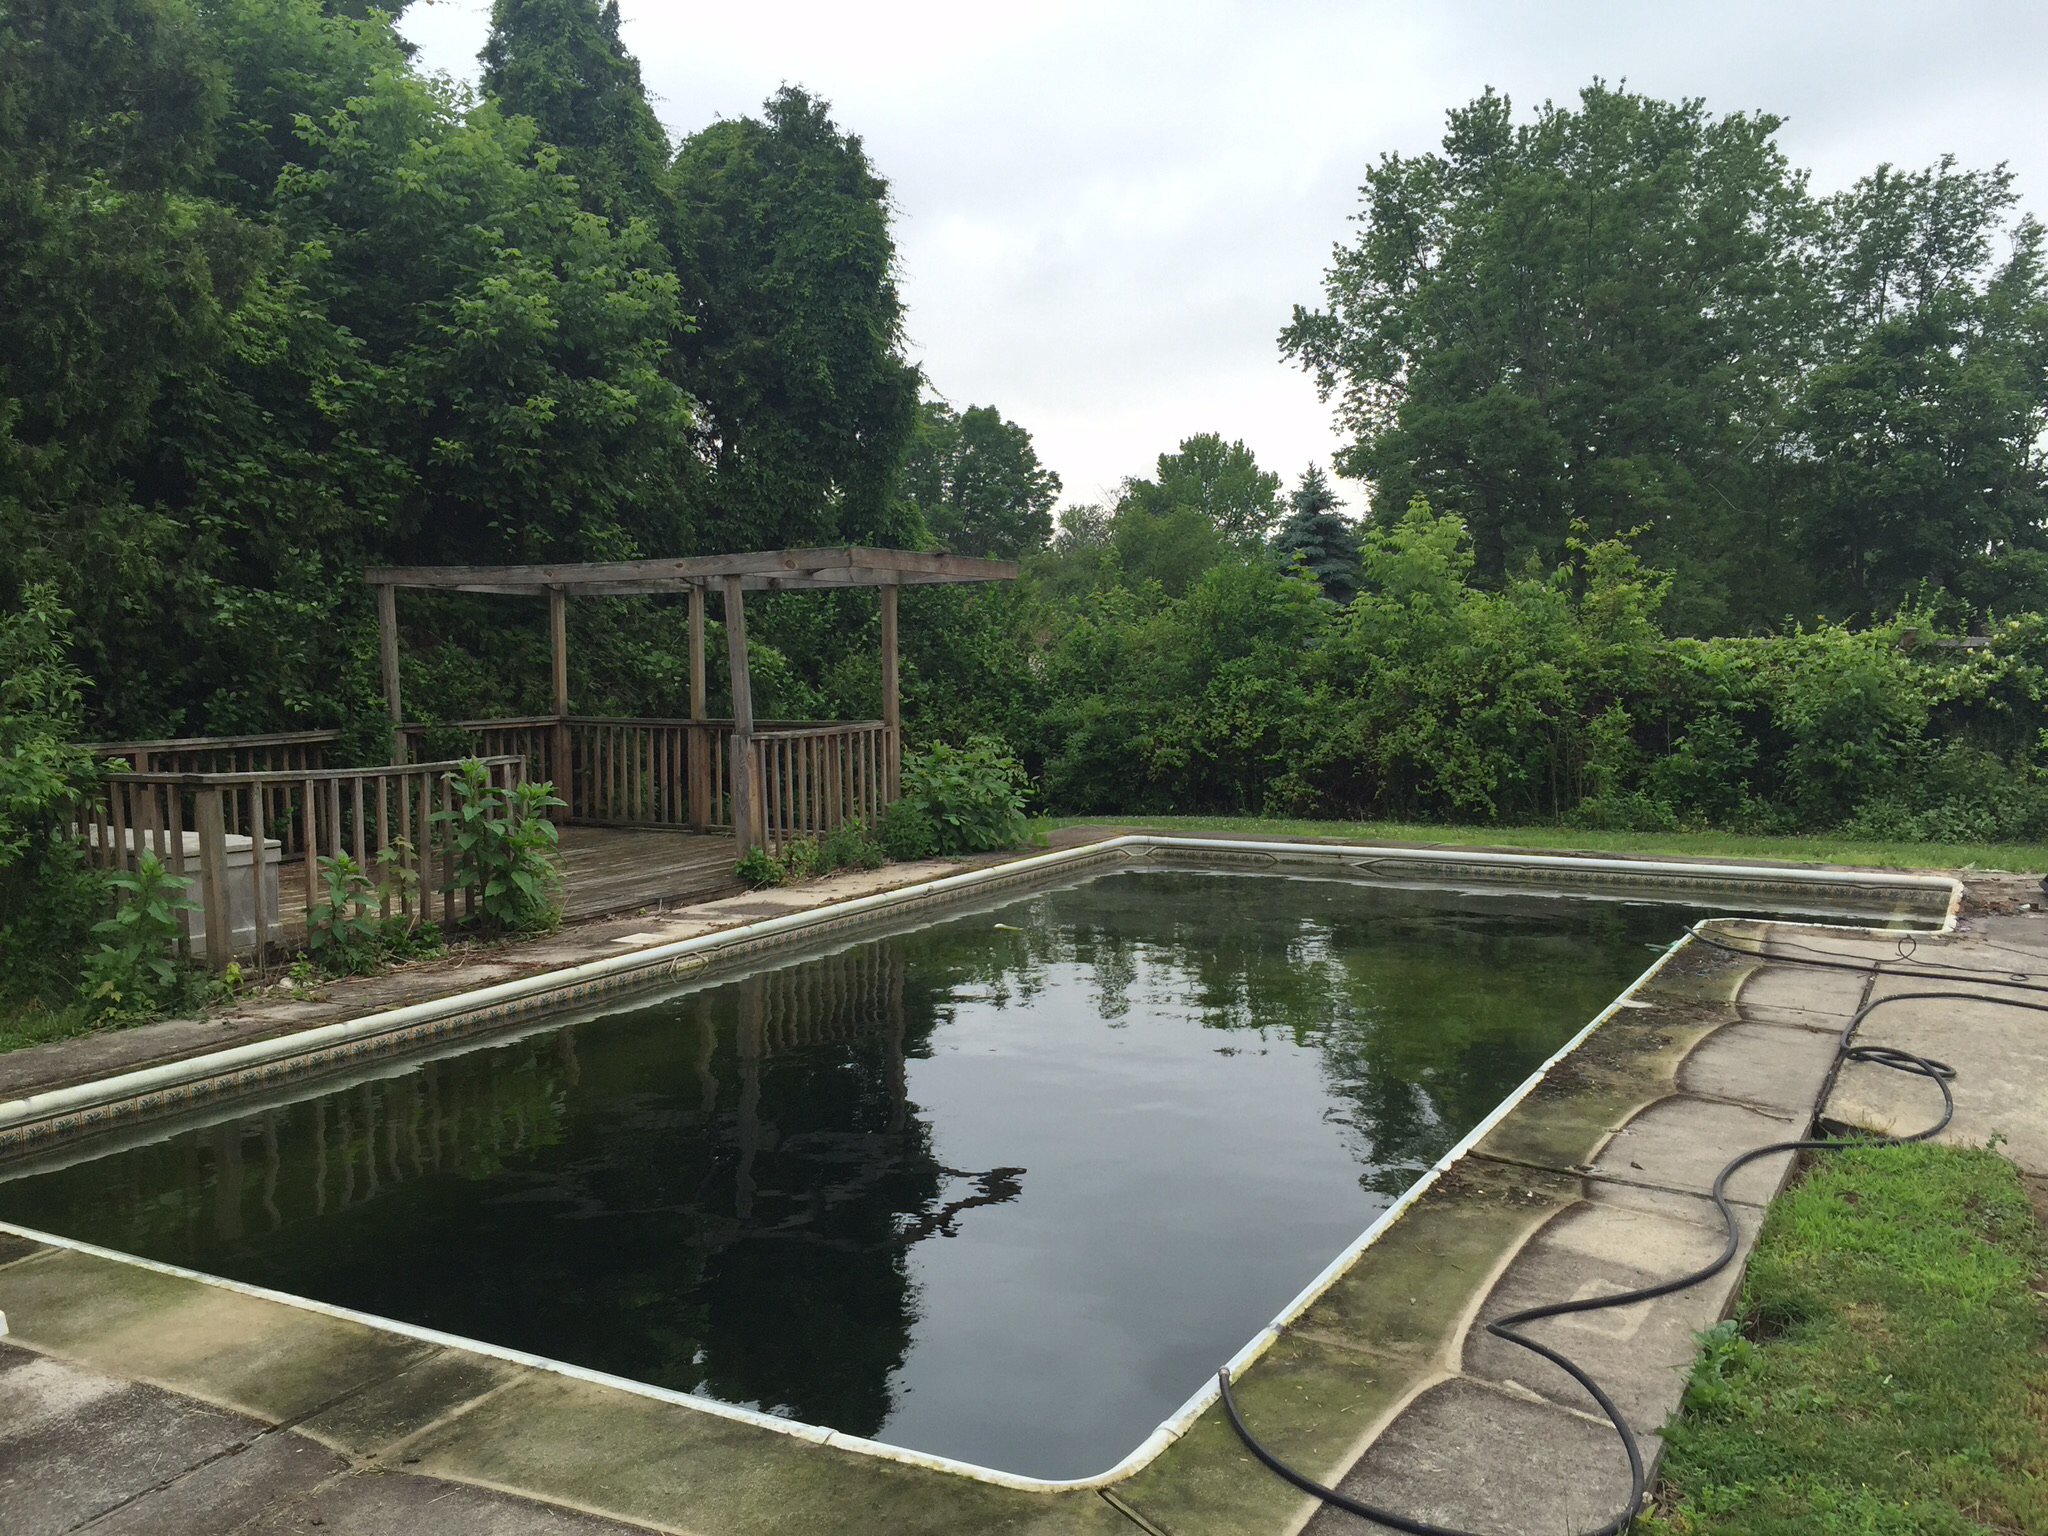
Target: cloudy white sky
[{"x": 1107, "y": 210}]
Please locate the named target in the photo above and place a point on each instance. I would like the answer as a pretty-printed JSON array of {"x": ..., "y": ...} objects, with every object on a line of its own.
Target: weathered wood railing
[
  {"x": 811, "y": 779},
  {"x": 251, "y": 843},
  {"x": 808, "y": 776},
  {"x": 287, "y": 750}
]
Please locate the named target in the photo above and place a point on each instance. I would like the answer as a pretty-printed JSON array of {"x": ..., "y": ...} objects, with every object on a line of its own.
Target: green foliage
[
  {"x": 908, "y": 832},
  {"x": 504, "y": 849},
  {"x": 759, "y": 869},
  {"x": 787, "y": 262},
  {"x": 1884, "y": 1367},
  {"x": 1555, "y": 698},
  {"x": 562, "y": 63},
  {"x": 972, "y": 796},
  {"x": 976, "y": 482},
  {"x": 346, "y": 933},
  {"x": 1633, "y": 314},
  {"x": 846, "y": 846},
  {"x": 136, "y": 973},
  {"x": 1319, "y": 538},
  {"x": 849, "y": 846},
  {"x": 49, "y": 899}
]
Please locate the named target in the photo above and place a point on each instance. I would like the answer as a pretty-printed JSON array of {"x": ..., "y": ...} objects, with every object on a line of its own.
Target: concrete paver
[
  {"x": 1475, "y": 1458},
  {"x": 76, "y": 1443}
]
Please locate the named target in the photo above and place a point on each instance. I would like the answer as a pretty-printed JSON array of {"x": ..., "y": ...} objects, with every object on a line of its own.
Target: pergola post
[
  {"x": 699, "y": 788},
  {"x": 892, "y": 706},
  {"x": 559, "y": 766},
  {"x": 387, "y": 645},
  {"x": 745, "y": 814}
]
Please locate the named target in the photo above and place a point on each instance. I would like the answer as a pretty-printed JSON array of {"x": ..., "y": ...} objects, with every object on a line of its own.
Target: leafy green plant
[
  {"x": 800, "y": 860},
  {"x": 504, "y": 848},
  {"x": 135, "y": 972},
  {"x": 343, "y": 934},
  {"x": 973, "y": 797},
  {"x": 848, "y": 846},
  {"x": 49, "y": 897},
  {"x": 759, "y": 869},
  {"x": 907, "y": 832}
]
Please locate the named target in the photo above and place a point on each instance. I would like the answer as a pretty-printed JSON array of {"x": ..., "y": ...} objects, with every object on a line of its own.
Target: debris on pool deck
[{"x": 148, "y": 1401}]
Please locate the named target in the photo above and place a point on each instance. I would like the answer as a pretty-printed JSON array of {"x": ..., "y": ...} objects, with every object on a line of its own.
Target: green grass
[
  {"x": 35, "y": 1025},
  {"x": 2017, "y": 857},
  {"x": 1884, "y": 1373}
]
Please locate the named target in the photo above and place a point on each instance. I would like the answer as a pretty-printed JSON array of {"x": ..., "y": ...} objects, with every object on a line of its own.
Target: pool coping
[{"x": 190, "y": 1083}]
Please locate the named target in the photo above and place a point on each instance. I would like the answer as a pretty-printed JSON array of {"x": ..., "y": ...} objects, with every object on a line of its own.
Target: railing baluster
[{"x": 309, "y": 833}]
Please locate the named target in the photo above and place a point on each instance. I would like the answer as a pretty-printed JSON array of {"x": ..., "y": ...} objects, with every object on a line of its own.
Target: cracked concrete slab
[
  {"x": 2001, "y": 1058},
  {"x": 1475, "y": 1458},
  {"x": 76, "y": 1443},
  {"x": 1600, "y": 1247}
]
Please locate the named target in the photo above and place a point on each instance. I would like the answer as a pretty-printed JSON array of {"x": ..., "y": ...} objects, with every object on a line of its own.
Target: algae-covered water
[{"x": 1007, "y": 1187}]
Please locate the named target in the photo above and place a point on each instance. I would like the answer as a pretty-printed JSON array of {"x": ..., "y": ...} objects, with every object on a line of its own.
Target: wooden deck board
[
  {"x": 604, "y": 869},
  {"x": 612, "y": 869}
]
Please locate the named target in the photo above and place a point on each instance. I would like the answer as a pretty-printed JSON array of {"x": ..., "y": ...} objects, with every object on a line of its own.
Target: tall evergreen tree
[
  {"x": 563, "y": 64},
  {"x": 1315, "y": 533}
]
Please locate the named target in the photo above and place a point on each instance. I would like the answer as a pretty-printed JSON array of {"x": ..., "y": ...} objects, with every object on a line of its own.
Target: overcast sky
[{"x": 1106, "y": 211}]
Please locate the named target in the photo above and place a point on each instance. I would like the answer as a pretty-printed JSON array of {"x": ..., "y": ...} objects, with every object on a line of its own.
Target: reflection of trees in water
[
  {"x": 1426, "y": 1009},
  {"x": 732, "y": 1215}
]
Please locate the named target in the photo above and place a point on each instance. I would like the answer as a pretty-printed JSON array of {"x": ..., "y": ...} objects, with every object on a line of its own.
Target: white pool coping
[{"x": 130, "y": 1084}]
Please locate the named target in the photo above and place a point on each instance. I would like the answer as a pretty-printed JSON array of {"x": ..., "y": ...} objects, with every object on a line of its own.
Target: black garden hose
[{"x": 1504, "y": 1327}]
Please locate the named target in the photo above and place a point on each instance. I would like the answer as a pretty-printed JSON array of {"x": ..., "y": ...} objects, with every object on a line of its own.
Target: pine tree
[
  {"x": 1322, "y": 539},
  {"x": 563, "y": 64}
]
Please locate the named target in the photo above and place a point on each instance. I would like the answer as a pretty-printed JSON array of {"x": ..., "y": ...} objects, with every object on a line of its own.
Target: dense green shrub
[
  {"x": 973, "y": 797},
  {"x": 847, "y": 846},
  {"x": 1556, "y": 697}
]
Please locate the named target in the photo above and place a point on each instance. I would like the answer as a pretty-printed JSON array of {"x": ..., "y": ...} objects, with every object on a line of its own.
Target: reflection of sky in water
[{"x": 1006, "y": 1188}]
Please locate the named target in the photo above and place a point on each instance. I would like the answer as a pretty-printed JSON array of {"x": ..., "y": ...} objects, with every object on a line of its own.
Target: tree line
[{"x": 1655, "y": 457}]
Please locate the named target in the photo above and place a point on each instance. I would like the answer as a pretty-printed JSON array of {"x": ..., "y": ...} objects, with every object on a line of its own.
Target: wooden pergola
[{"x": 783, "y": 570}]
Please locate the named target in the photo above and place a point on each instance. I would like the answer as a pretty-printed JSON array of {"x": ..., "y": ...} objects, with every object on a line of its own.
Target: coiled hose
[{"x": 1940, "y": 1073}]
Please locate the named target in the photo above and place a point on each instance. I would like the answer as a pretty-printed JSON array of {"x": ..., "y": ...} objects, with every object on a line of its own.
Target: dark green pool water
[{"x": 1006, "y": 1188}]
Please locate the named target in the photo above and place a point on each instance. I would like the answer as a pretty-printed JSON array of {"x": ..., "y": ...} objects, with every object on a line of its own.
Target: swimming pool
[{"x": 1003, "y": 1187}]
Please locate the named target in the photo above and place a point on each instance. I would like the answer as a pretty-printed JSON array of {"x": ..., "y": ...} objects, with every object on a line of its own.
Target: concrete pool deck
[{"x": 135, "y": 1398}]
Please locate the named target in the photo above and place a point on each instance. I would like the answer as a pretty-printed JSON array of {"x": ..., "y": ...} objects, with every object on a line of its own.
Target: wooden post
[
  {"x": 892, "y": 708},
  {"x": 211, "y": 825},
  {"x": 559, "y": 767},
  {"x": 387, "y": 640},
  {"x": 744, "y": 811},
  {"x": 699, "y": 788}
]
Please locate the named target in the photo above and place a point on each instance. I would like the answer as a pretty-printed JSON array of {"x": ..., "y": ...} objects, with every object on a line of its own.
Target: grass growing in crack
[{"x": 1885, "y": 1372}]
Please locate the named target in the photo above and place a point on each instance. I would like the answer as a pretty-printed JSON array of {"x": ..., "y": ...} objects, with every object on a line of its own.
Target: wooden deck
[
  {"x": 616, "y": 869},
  {"x": 604, "y": 870}
]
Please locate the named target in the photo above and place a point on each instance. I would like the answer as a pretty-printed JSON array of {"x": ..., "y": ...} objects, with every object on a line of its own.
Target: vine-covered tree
[
  {"x": 563, "y": 64},
  {"x": 1317, "y": 534},
  {"x": 808, "y": 405},
  {"x": 976, "y": 480}
]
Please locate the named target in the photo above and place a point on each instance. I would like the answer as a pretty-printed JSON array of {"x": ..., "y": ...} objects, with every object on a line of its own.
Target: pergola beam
[{"x": 767, "y": 570}]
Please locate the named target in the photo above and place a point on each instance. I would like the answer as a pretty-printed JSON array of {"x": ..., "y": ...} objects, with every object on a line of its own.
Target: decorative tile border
[{"x": 745, "y": 947}]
